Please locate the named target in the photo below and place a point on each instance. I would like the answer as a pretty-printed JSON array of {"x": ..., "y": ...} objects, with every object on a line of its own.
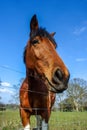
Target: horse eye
[{"x": 35, "y": 41}]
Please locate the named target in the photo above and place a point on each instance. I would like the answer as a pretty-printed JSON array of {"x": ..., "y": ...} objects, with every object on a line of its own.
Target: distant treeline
[{"x": 3, "y": 107}]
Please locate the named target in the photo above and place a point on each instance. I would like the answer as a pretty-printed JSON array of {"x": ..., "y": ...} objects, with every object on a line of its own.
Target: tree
[
  {"x": 15, "y": 95},
  {"x": 58, "y": 101},
  {"x": 0, "y": 85},
  {"x": 77, "y": 92}
]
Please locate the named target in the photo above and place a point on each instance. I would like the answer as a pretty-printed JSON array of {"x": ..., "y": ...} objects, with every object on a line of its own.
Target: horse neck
[
  {"x": 36, "y": 82},
  {"x": 39, "y": 86},
  {"x": 32, "y": 74}
]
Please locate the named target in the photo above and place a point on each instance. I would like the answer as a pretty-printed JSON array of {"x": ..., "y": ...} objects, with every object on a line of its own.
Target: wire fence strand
[{"x": 10, "y": 115}]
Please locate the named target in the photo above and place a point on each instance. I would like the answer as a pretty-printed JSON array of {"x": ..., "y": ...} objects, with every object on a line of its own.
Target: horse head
[{"x": 40, "y": 56}]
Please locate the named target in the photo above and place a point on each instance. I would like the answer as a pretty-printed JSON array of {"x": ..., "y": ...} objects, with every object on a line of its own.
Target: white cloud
[
  {"x": 5, "y": 84},
  {"x": 81, "y": 59},
  {"x": 80, "y": 30},
  {"x": 5, "y": 90}
]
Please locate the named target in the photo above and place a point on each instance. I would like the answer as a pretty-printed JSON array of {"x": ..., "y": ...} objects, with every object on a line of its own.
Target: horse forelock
[
  {"x": 24, "y": 54},
  {"x": 42, "y": 33}
]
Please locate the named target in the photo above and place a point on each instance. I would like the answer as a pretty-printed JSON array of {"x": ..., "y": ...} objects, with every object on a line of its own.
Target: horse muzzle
[{"x": 59, "y": 81}]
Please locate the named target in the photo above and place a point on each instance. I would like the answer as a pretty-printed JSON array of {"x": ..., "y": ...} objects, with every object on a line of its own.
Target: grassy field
[{"x": 10, "y": 120}]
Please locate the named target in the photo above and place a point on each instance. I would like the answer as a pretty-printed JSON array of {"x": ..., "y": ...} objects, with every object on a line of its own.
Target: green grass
[
  {"x": 68, "y": 121},
  {"x": 10, "y": 120}
]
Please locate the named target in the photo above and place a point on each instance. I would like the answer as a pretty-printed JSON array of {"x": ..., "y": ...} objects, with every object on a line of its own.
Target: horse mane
[
  {"x": 42, "y": 33},
  {"x": 24, "y": 54}
]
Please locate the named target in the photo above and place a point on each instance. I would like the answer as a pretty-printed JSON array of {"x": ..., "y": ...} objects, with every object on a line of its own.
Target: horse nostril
[{"x": 59, "y": 74}]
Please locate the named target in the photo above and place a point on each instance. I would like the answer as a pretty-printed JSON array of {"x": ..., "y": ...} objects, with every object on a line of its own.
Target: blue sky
[{"x": 68, "y": 18}]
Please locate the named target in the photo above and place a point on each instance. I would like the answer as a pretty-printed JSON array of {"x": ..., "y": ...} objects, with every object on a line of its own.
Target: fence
[{"x": 10, "y": 118}]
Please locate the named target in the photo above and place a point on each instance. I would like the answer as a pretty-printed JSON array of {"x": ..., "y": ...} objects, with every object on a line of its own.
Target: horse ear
[
  {"x": 34, "y": 23},
  {"x": 52, "y": 34}
]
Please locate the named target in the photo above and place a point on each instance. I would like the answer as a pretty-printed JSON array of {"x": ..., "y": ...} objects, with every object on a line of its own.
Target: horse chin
[{"x": 57, "y": 88}]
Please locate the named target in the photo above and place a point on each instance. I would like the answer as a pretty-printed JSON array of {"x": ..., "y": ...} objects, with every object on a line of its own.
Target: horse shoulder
[{"x": 24, "y": 94}]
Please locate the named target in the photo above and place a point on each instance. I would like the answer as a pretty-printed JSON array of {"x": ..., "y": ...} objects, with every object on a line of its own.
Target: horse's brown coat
[{"x": 46, "y": 74}]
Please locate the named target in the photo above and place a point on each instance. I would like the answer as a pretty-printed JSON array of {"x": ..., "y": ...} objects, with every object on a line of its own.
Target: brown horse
[{"x": 46, "y": 75}]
